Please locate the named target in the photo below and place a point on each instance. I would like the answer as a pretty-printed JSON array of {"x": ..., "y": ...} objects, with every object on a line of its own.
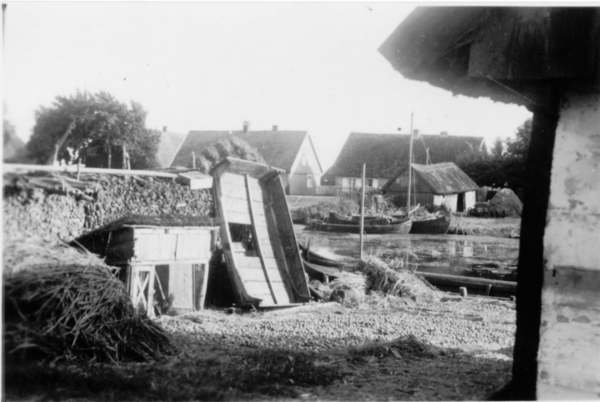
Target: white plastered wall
[{"x": 569, "y": 351}]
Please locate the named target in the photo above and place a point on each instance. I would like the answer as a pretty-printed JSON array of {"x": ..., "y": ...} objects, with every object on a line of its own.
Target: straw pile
[
  {"x": 63, "y": 304},
  {"x": 392, "y": 279},
  {"x": 321, "y": 210}
]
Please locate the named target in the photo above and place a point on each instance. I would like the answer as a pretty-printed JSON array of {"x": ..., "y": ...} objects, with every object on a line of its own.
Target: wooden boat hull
[
  {"x": 265, "y": 268},
  {"x": 402, "y": 227},
  {"x": 431, "y": 226}
]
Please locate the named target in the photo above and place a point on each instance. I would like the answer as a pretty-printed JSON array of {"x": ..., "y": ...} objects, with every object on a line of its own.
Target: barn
[{"x": 436, "y": 184}]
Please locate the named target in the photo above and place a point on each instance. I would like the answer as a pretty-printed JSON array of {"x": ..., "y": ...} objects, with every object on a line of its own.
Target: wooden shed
[
  {"x": 164, "y": 267},
  {"x": 257, "y": 235},
  {"x": 437, "y": 184}
]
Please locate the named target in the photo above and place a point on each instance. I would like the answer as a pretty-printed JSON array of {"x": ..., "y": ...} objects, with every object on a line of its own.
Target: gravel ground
[{"x": 469, "y": 324}]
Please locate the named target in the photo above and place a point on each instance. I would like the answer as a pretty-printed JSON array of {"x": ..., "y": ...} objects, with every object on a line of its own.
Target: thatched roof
[
  {"x": 168, "y": 147},
  {"x": 278, "y": 148},
  {"x": 469, "y": 50},
  {"x": 386, "y": 154},
  {"x": 441, "y": 178}
]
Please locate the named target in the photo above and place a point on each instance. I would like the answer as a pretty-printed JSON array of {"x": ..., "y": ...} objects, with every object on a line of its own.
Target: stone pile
[{"x": 481, "y": 325}]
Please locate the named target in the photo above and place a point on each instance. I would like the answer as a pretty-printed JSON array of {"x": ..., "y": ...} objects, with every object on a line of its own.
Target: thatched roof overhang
[
  {"x": 441, "y": 178},
  {"x": 508, "y": 54}
]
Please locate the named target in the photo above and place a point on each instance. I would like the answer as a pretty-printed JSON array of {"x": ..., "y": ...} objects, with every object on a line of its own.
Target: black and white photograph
[{"x": 300, "y": 201}]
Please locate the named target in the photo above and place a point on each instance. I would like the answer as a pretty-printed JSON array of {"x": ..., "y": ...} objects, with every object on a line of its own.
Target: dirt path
[{"x": 390, "y": 355}]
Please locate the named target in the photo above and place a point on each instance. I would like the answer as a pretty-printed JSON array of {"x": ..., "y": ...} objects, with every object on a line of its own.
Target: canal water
[{"x": 474, "y": 256}]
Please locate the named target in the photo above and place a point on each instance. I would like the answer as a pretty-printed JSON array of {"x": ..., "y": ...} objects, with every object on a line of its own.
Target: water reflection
[{"x": 486, "y": 257}]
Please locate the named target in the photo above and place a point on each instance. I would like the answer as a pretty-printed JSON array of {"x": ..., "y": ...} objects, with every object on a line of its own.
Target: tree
[
  {"x": 93, "y": 128},
  {"x": 520, "y": 145},
  {"x": 13, "y": 150},
  {"x": 498, "y": 148}
]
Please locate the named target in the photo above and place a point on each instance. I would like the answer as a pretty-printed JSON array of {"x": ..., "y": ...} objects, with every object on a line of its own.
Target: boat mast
[{"x": 409, "y": 164}]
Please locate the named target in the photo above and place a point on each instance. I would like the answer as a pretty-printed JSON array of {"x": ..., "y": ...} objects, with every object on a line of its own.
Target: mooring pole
[
  {"x": 409, "y": 165},
  {"x": 362, "y": 210}
]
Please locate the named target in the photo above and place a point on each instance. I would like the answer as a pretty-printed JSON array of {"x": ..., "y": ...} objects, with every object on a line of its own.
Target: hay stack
[
  {"x": 393, "y": 279},
  {"x": 60, "y": 303},
  {"x": 505, "y": 204}
]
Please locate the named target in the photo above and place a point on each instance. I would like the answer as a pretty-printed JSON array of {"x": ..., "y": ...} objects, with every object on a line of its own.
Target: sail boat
[{"x": 436, "y": 225}]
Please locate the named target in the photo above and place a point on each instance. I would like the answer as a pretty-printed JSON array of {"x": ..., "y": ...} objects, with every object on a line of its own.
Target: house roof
[
  {"x": 441, "y": 178},
  {"x": 168, "y": 147},
  {"x": 386, "y": 154},
  {"x": 278, "y": 148}
]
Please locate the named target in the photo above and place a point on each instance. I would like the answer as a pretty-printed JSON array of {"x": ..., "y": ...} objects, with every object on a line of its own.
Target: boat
[
  {"x": 257, "y": 234},
  {"x": 397, "y": 227},
  {"x": 453, "y": 283},
  {"x": 437, "y": 225},
  {"x": 338, "y": 219},
  {"x": 319, "y": 259}
]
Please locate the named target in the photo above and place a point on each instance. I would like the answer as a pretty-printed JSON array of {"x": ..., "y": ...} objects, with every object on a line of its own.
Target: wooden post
[
  {"x": 78, "y": 168},
  {"x": 124, "y": 153},
  {"x": 362, "y": 211},
  {"x": 204, "y": 285},
  {"x": 409, "y": 165},
  {"x": 193, "y": 159}
]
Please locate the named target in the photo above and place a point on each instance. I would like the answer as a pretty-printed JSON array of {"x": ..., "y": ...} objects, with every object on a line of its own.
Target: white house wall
[
  {"x": 312, "y": 161},
  {"x": 451, "y": 201},
  {"x": 470, "y": 199},
  {"x": 569, "y": 351}
]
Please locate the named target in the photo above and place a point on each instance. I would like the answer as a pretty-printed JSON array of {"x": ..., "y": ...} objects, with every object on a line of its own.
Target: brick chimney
[
  {"x": 246, "y": 127},
  {"x": 444, "y": 133},
  {"x": 275, "y": 128},
  {"x": 416, "y": 132},
  {"x": 164, "y": 129}
]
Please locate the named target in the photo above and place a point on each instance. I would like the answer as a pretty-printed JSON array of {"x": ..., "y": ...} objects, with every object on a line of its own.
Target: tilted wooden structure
[{"x": 265, "y": 264}]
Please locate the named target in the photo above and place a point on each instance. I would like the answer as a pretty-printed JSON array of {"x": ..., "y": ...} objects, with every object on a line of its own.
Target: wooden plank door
[{"x": 142, "y": 288}]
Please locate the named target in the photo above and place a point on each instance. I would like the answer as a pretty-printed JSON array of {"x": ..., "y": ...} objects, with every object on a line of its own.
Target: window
[
  {"x": 369, "y": 183},
  {"x": 352, "y": 182},
  {"x": 309, "y": 180}
]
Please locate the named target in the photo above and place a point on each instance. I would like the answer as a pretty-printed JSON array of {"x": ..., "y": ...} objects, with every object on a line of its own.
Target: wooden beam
[{"x": 13, "y": 167}]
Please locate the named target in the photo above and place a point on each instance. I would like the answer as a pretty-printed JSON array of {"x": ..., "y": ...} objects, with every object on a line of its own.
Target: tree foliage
[
  {"x": 14, "y": 147},
  {"x": 520, "y": 145},
  {"x": 503, "y": 165},
  {"x": 95, "y": 126},
  {"x": 498, "y": 148}
]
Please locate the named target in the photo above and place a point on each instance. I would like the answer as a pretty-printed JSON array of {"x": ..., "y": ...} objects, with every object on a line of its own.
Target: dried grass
[
  {"x": 392, "y": 278},
  {"x": 60, "y": 303}
]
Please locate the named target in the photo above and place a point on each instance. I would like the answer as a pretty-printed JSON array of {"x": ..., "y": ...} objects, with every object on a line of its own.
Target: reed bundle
[
  {"x": 391, "y": 278},
  {"x": 60, "y": 303}
]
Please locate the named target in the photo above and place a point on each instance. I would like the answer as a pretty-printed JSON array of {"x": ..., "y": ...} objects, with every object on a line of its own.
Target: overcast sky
[{"x": 211, "y": 66}]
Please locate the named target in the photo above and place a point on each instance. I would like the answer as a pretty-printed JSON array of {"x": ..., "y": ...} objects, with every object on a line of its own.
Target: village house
[
  {"x": 292, "y": 151},
  {"x": 386, "y": 154},
  {"x": 169, "y": 145},
  {"x": 546, "y": 59},
  {"x": 441, "y": 183}
]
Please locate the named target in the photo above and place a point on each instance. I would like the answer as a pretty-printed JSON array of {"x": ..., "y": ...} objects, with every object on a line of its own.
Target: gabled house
[
  {"x": 168, "y": 147},
  {"x": 386, "y": 154},
  {"x": 292, "y": 151},
  {"x": 441, "y": 183}
]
